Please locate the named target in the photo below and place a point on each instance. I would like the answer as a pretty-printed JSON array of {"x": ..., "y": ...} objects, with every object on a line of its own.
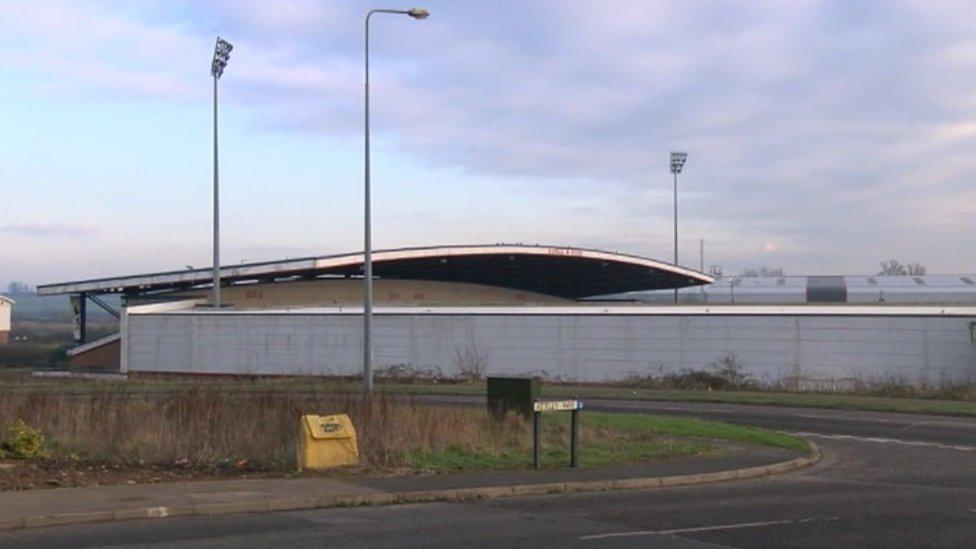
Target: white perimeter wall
[{"x": 586, "y": 347}]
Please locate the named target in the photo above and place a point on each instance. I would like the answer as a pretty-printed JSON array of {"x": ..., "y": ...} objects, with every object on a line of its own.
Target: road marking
[
  {"x": 694, "y": 529},
  {"x": 889, "y": 441},
  {"x": 157, "y": 512}
]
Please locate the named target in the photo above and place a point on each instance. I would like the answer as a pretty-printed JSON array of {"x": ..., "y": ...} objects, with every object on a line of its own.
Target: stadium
[{"x": 561, "y": 313}]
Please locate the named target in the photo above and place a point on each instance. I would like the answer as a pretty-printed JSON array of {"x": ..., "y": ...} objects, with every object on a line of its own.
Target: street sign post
[{"x": 542, "y": 406}]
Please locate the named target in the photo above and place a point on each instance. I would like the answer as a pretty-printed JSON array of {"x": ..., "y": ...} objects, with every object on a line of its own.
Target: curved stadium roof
[{"x": 570, "y": 273}]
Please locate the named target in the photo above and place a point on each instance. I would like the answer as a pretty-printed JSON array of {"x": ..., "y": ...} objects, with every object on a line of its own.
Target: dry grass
[{"x": 209, "y": 426}]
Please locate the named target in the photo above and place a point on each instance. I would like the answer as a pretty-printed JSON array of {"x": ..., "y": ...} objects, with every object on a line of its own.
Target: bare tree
[
  {"x": 916, "y": 269},
  {"x": 470, "y": 359},
  {"x": 892, "y": 268}
]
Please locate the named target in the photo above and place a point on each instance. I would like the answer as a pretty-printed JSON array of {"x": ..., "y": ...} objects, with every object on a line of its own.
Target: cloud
[
  {"x": 824, "y": 128},
  {"x": 48, "y": 230}
]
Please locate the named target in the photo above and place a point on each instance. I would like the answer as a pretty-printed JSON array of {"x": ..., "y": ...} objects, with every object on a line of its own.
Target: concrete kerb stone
[
  {"x": 360, "y": 500},
  {"x": 461, "y": 494},
  {"x": 427, "y": 496},
  {"x": 227, "y": 508},
  {"x": 62, "y": 519},
  {"x": 636, "y": 483},
  {"x": 530, "y": 489},
  {"x": 719, "y": 476},
  {"x": 681, "y": 480},
  {"x": 589, "y": 486},
  {"x": 752, "y": 472},
  {"x": 292, "y": 504},
  {"x": 492, "y": 492}
]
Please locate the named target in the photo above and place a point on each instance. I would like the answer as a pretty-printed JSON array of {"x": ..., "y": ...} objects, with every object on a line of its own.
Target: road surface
[{"x": 886, "y": 480}]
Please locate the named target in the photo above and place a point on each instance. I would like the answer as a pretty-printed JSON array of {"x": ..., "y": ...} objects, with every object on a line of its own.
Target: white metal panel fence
[{"x": 571, "y": 346}]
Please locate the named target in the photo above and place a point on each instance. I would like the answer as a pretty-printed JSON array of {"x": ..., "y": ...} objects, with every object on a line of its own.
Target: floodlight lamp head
[
  {"x": 678, "y": 161},
  {"x": 418, "y": 13},
  {"x": 221, "y": 55}
]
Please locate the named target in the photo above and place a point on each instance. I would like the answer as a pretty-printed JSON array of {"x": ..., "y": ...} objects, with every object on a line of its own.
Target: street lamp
[
  {"x": 221, "y": 55},
  {"x": 416, "y": 13},
  {"x": 677, "y": 163}
]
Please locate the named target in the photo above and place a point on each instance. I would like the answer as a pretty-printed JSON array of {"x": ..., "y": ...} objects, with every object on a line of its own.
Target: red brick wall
[{"x": 105, "y": 356}]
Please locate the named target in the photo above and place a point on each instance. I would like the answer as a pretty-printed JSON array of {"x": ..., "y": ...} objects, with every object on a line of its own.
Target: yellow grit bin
[{"x": 326, "y": 441}]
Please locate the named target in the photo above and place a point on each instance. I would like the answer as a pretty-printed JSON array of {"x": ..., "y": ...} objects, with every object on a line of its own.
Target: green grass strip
[
  {"x": 687, "y": 427},
  {"x": 619, "y": 439}
]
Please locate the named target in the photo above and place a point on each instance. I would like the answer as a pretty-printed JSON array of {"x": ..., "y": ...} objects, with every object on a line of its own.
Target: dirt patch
[{"x": 36, "y": 474}]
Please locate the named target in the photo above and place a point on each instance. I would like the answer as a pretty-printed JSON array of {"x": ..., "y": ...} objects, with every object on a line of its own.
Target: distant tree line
[
  {"x": 19, "y": 288},
  {"x": 894, "y": 268},
  {"x": 769, "y": 272},
  {"x": 764, "y": 272}
]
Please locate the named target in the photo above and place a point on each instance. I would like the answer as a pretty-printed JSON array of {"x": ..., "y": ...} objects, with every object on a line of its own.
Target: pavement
[
  {"x": 61, "y": 506},
  {"x": 885, "y": 480}
]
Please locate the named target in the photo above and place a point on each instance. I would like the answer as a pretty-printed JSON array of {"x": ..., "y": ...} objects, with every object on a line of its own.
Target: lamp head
[
  {"x": 221, "y": 55},
  {"x": 418, "y": 13},
  {"x": 678, "y": 159}
]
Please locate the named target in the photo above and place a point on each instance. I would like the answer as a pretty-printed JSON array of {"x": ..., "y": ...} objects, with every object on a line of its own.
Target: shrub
[
  {"x": 471, "y": 360},
  {"x": 408, "y": 373},
  {"x": 23, "y": 442},
  {"x": 729, "y": 369},
  {"x": 724, "y": 374}
]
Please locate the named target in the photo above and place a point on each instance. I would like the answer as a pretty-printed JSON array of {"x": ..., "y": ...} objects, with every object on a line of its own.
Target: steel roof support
[
  {"x": 108, "y": 308},
  {"x": 80, "y": 316}
]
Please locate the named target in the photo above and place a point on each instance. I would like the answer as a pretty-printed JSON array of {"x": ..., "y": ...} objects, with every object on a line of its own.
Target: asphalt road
[{"x": 886, "y": 480}]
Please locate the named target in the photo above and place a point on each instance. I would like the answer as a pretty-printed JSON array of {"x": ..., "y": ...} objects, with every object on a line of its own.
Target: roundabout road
[{"x": 885, "y": 480}]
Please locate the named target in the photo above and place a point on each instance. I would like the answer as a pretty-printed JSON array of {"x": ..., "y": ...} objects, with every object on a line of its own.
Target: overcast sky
[{"x": 823, "y": 137}]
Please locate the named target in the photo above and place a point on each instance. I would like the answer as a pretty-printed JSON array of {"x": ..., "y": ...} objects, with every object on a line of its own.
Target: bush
[
  {"x": 724, "y": 374},
  {"x": 23, "y": 442},
  {"x": 729, "y": 369},
  {"x": 471, "y": 361},
  {"x": 408, "y": 373}
]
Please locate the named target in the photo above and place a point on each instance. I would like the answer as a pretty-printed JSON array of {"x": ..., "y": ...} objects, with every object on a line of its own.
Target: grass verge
[
  {"x": 608, "y": 439},
  {"x": 694, "y": 428},
  {"x": 199, "y": 432}
]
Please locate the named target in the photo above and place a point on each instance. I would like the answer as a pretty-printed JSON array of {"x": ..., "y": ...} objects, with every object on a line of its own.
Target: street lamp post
[
  {"x": 416, "y": 13},
  {"x": 221, "y": 55},
  {"x": 677, "y": 163}
]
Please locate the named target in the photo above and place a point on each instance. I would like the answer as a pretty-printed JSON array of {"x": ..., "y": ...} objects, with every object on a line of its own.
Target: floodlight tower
[
  {"x": 678, "y": 159},
  {"x": 416, "y": 13},
  {"x": 221, "y": 55}
]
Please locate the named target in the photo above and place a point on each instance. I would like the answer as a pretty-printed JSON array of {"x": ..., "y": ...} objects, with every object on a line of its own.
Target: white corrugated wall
[{"x": 585, "y": 347}]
